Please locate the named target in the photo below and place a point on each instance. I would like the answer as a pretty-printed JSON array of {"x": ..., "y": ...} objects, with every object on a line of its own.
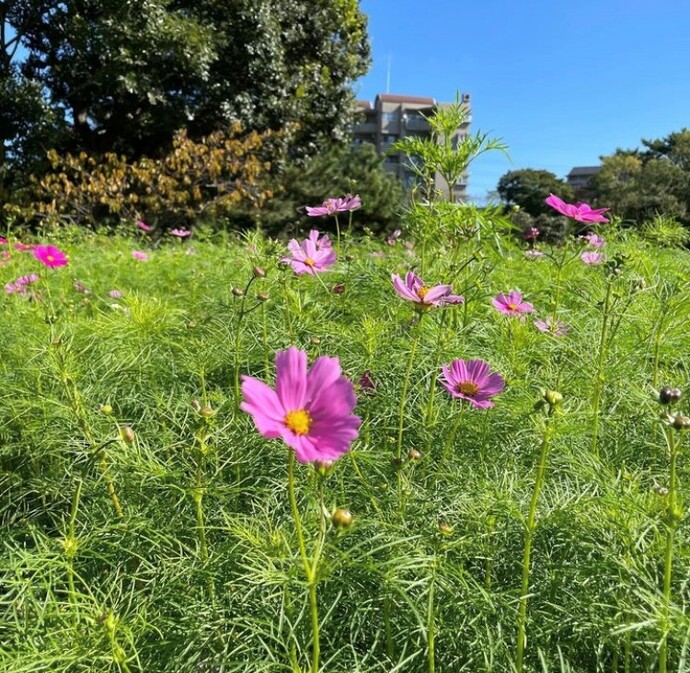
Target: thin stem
[
  {"x": 109, "y": 483},
  {"x": 599, "y": 382},
  {"x": 431, "y": 621},
  {"x": 434, "y": 371},
  {"x": 337, "y": 229},
  {"x": 238, "y": 325},
  {"x": 71, "y": 549},
  {"x": 264, "y": 325},
  {"x": 529, "y": 534},
  {"x": 309, "y": 569}
]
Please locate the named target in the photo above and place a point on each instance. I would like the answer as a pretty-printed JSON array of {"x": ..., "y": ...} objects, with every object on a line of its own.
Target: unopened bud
[
  {"x": 553, "y": 398},
  {"x": 238, "y": 291},
  {"x": 681, "y": 422},
  {"x": 341, "y": 518},
  {"x": 262, "y": 296},
  {"x": 349, "y": 258},
  {"x": 196, "y": 406},
  {"x": 323, "y": 467},
  {"x": 338, "y": 288},
  {"x": 413, "y": 455},
  {"x": 191, "y": 324},
  {"x": 259, "y": 272},
  {"x": 70, "y": 545},
  {"x": 207, "y": 411},
  {"x": 127, "y": 434},
  {"x": 669, "y": 395},
  {"x": 106, "y": 409},
  {"x": 445, "y": 528},
  {"x": 315, "y": 341},
  {"x": 661, "y": 491}
]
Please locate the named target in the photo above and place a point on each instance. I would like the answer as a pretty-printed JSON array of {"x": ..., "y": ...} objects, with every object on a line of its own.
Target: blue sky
[{"x": 562, "y": 83}]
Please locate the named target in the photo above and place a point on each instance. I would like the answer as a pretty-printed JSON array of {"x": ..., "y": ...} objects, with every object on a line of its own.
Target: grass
[{"x": 201, "y": 571}]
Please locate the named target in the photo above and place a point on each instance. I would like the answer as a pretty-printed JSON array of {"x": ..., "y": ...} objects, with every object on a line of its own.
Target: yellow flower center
[
  {"x": 309, "y": 261},
  {"x": 467, "y": 388},
  {"x": 298, "y": 421},
  {"x": 513, "y": 307},
  {"x": 423, "y": 291},
  {"x": 50, "y": 258}
]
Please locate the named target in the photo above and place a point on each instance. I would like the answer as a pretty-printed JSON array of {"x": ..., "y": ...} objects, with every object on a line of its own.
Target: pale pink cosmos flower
[
  {"x": 335, "y": 206},
  {"x": 592, "y": 258},
  {"x": 310, "y": 410},
  {"x": 5, "y": 254},
  {"x": 594, "y": 240},
  {"x": 321, "y": 241},
  {"x": 50, "y": 256},
  {"x": 306, "y": 258},
  {"x": 533, "y": 254},
  {"x": 140, "y": 256},
  {"x": 512, "y": 304},
  {"x": 472, "y": 381},
  {"x": 115, "y": 294},
  {"x": 551, "y": 326},
  {"x": 393, "y": 238},
  {"x": 531, "y": 234},
  {"x": 20, "y": 285},
  {"x": 413, "y": 289},
  {"x": 144, "y": 227},
  {"x": 181, "y": 233},
  {"x": 581, "y": 212},
  {"x": 24, "y": 247}
]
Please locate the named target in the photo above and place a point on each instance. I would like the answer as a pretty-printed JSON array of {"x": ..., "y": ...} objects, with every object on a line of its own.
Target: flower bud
[
  {"x": 323, "y": 467},
  {"x": 70, "y": 545},
  {"x": 262, "y": 296},
  {"x": 669, "y": 395},
  {"x": 238, "y": 292},
  {"x": 413, "y": 455},
  {"x": 445, "y": 528},
  {"x": 338, "y": 288},
  {"x": 259, "y": 272},
  {"x": 196, "y": 406},
  {"x": 207, "y": 411},
  {"x": 661, "y": 491},
  {"x": 127, "y": 434},
  {"x": 106, "y": 409},
  {"x": 315, "y": 341},
  {"x": 553, "y": 398},
  {"x": 681, "y": 422},
  {"x": 191, "y": 325},
  {"x": 349, "y": 258},
  {"x": 341, "y": 518}
]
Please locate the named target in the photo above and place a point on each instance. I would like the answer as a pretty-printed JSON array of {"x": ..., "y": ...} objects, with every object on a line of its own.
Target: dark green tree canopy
[
  {"x": 124, "y": 75},
  {"x": 527, "y": 188}
]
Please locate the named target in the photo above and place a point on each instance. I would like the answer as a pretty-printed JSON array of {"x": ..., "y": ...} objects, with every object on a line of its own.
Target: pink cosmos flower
[
  {"x": 306, "y": 258},
  {"x": 533, "y": 254},
  {"x": 5, "y": 254},
  {"x": 413, "y": 289},
  {"x": 592, "y": 258},
  {"x": 392, "y": 239},
  {"x": 140, "y": 256},
  {"x": 551, "y": 326},
  {"x": 531, "y": 234},
  {"x": 50, "y": 256},
  {"x": 511, "y": 304},
  {"x": 144, "y": 227},
  {"x": 594, "y": 240},
  {"x": 321, "y": 242},
  {"x": 471, "y": 380},
  {"x": 3, "y": 241},
  {"x": 115, "y": 294},
  {"x": 20, "y": 285},
  {"x": 335, "y": 206},
  {"x": 309, "y": 409},
  {"x": 23, "y": 247},
  {"x": 181, "y": 233},
  {"x": 581, "y": 212}
]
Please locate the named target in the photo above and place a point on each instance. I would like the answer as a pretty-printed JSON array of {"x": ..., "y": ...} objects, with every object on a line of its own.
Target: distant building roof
[
  {"x": 393, "y": 98},
  {"x": 364, "y": 104},
  {"x": 584, "y": 170}
]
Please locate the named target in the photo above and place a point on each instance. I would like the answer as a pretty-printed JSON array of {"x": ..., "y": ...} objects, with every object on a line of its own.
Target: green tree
[{"x": 528, "y": 188}]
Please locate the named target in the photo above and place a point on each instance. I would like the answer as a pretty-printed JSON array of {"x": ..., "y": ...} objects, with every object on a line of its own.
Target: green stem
[
  {"x": 387, "y": 624},
  {"x": 434, "y": 372},
  {"x": 431, "y": 622},
  {"x": 264, "y": 323},
  {"x": 240, "y": 316},
  {"x": 671, "y": 525},
  {"x": 599, "y": 382},
  {"x": 531, "y": 524},
  {"x": 337, "y": 229},
  {"x": 309, "y": 569},
  {"x": 71, "y": 548},
  {"x": 110, "y": 484}
]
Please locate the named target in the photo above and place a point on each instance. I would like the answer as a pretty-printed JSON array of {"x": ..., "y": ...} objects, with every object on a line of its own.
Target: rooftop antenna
[{"x": 388, "y": 74}]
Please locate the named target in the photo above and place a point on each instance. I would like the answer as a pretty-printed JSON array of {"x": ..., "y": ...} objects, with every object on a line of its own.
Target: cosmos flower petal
[
  {"x": 291, "y": 378},
  {"x": 263, "y": 404}
]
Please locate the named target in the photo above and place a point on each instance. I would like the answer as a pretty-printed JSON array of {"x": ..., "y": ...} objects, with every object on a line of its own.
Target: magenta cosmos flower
[
  {"x": 413, "y": 289},
  {"x": 551, "y": 326},
  {"x": 322, "y": 242},
  {"x": 140, "y": 256},
  {"x": 181, "y": 233},
  {"x": 594, "y": 240},
  {"x": 144, "y": 227},
  {"x": 512, "y": 304},
  {"x": 335, "y": 206},
  {"x": 307, "y": 258},
  {"x": 50, "y": 256},
  {"x": 471, "y": 380},
  {"x": 581, "y": 212},
  {"x": 592, "y": 258},
  {"x": 309, "y": 409}
]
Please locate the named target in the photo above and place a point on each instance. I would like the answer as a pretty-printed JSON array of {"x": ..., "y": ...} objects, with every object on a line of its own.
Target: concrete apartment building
[
  {"x": 579, "y": 178},
  {"x": 392, "y": 117}
]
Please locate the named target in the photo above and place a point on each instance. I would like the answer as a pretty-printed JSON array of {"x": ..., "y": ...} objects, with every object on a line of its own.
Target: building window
[
  {"x": 389, "y": 139},
  {"x": 389, "y": 116}
]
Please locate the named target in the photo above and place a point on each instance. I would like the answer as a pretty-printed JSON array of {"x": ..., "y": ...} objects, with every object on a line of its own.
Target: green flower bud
[
  {"x": 413, "y": 455},
  {"x": 445, "y": 528},
  {"x": 341, "y": 518},
  {"x": 262, "y": 296},
  {"x": 238, "y": 292},
  {"x": 259, "y": 272},
  {"x": 106, "y": 409},
  {"x": 127, "y": 434}
]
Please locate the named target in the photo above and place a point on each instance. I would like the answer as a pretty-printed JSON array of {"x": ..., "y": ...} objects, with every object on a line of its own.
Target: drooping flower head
[
  {"x": 306, "y": 258},
  {"x": 321, "y": 241},
  {"x": 335, "y": 206},
  {"x": 581, "y": 212},
  {"x": 50, "y": 256},
  {"x": 512, "y": 304},
  {"x": 592, "y": 258},
  {"x": 551, "y": 326},
  {"x": 144, "y": 227},
  {"x": 413, "y": 289},
  {"x": 311, "y": 410},
  {"x": 139, "y": 255},
  {"x": 472, "y": 381},
  {"x": 594, "y": 240},
  {"x": 181, "y": 233}
]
